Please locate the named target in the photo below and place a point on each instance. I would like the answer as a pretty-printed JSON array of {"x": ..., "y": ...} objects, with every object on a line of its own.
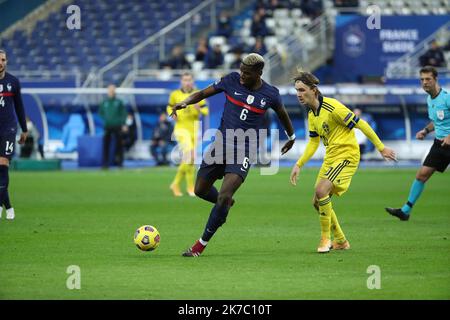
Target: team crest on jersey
[
  {"x": 263, "y": 102},
  {"x": 1, "y": 88},
  {"x": 250, "y": 99},
  {"x": 9, "y": 87},
  {"x": 440, "y": 114},
  {"x": 326, "y": 127}
]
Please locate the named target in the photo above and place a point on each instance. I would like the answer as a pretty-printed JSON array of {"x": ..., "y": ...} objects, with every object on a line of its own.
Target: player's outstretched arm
[
  {"x": 287, "y": 124},
  {"x": 194, "y": 98},
  {"x": 311, "y": 148},
  {"x": 387, "y": 153}
]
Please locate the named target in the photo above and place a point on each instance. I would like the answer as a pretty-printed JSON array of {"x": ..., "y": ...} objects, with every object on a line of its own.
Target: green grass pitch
[{"x": 266, "y": 250}]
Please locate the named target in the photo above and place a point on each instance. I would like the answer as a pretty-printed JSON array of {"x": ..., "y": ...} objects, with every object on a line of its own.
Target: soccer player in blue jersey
[
  {"x": 438, "y": 158},
  {"x": 248, "y": 97},
  {"x": 10, "y": 106}
]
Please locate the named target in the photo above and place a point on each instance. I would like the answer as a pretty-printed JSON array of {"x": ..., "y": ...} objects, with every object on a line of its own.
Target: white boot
[
  {"x": 1, "y": 210},
  {"x": 10, "y": 214}
]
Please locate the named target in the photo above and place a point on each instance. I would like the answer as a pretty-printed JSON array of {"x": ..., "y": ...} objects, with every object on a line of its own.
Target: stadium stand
[{"x": 109, "y": 28}]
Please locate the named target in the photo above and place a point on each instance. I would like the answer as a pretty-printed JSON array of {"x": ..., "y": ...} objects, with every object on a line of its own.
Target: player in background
[
  {"x": 186, "y": 133},
  {"x": 332, "y": 122},
  {"x": 10, "y": 106},
  {"x": 248, "y": 97},
  {"x": 438, "y": 157}
]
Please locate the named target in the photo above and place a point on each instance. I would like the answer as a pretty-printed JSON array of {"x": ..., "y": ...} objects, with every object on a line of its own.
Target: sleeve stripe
[
  {"x": 348, "y": 116},
  {"x": 328, "y": 105},
  {"x": 313, "y": 134},
  {"x": 353, "y": 122}
]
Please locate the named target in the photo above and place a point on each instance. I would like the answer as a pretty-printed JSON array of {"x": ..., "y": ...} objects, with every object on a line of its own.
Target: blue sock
[
  {"x": 4, "y": 182},
  {"x": 414, "y": 194},
  {"x": 217, "y": 218}
]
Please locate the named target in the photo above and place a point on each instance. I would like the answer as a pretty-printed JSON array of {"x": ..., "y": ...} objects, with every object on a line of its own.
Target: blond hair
[{"x": 254, "y": 60}]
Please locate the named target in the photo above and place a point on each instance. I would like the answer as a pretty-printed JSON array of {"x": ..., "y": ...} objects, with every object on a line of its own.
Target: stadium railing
[
  {"x": 159, "y": 41},
  {"x": 408, "y": 65}
]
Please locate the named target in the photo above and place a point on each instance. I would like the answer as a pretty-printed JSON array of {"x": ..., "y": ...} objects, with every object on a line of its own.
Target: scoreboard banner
[{"x": 360, "y": 51}]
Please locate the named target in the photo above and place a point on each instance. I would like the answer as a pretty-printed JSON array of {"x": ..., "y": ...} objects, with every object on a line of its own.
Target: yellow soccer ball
[{"x": 147, "y": 238}]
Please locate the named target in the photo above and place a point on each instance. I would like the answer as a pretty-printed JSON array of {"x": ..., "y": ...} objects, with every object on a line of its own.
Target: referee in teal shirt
[{"x": 439, "y": 156}]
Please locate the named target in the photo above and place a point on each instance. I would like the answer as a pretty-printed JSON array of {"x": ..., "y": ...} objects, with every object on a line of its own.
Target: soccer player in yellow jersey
[
  {"x": 186, "y": 133},
  {"x": 332, "y": 122}
]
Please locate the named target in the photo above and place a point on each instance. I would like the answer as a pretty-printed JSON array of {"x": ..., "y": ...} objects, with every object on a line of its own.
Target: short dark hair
[
  {"x": 307, "y": 78},
  {"x": 187, "y": 74},
  {"x": 429, "y": 69}
]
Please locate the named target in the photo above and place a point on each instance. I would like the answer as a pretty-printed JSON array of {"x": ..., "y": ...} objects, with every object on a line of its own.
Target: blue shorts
[
  {"x": 218, "y": 171},
  {"x": 7, "y": 144},
  {"x": 239, "y": 164}
]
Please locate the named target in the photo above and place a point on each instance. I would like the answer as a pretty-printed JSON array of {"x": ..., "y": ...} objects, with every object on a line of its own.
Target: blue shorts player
[
  {"x": 439, "y": 156},
  {"x": 11, "y": 106},
  {"x": 248, "y": 97}
]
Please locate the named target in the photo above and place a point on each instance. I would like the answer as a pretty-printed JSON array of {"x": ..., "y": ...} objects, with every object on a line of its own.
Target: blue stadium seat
[{"x": 109, "y": 28}]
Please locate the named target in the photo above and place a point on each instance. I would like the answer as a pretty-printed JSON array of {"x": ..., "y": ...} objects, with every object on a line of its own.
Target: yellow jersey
[
  {"x": 333, "y": 123},
  {"x": 186, "y": 118}
]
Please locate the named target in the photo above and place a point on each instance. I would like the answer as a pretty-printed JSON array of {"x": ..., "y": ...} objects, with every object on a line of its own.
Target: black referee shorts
[{"x": 438, "y": 157}]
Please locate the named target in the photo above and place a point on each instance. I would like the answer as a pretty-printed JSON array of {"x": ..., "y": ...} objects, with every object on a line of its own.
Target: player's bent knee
[
  {"x": 200, "y": 189},
  {"x": 423, "y": 175},
  {"x": 200, "y": 192},
  {"x": 224, "y": 199},
  {"x": 320, "y": 193}
]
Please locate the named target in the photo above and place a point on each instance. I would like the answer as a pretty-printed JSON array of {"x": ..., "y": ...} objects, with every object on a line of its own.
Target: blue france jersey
[
  {"x": 245, "y": 109},
  {"x": 11, "y": 104},
  {"x": 439, "y": 113}
]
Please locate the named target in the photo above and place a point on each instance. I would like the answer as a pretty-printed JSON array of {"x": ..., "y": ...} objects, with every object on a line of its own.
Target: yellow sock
[
  {"x": 180, "y": 174},
  {"x": 325, "y": 211},
  {"x": 190, "y": 170},
  {"x": 338, "y": 234}
]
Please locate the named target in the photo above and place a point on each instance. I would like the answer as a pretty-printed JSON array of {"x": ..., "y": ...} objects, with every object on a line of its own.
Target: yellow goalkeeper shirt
[{"x": 186, "y": 118}]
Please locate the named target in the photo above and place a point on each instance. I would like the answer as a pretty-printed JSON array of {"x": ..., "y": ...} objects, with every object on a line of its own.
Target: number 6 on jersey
[
  {"x": 245, "y": 163},
  {"x": 243, "y": 115}
]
